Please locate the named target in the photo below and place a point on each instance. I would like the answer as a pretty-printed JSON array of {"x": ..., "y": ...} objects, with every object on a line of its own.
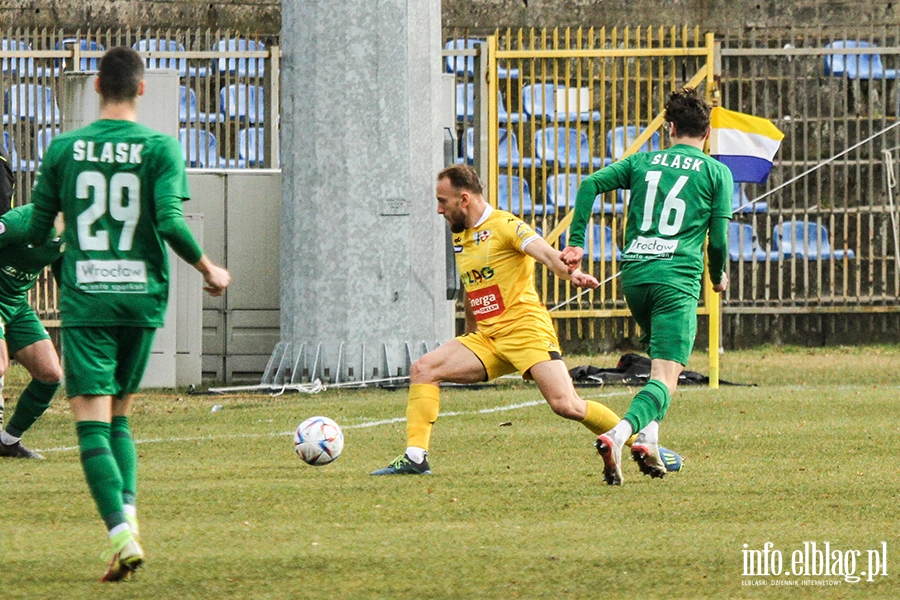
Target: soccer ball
[{"x": 318, "y": 441}]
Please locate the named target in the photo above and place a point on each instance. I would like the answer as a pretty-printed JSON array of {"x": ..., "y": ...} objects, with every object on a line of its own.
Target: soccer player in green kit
[
  {"x": 22, "y": 333},
  {"x": 678, "y": 196},
  {"x": 120, "y": 186}
]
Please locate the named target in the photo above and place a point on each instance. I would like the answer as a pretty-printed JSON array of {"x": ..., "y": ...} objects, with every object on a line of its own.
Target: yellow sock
[
  {"x": 421, "y": 413},
  {"x": 599, "y": 418}
]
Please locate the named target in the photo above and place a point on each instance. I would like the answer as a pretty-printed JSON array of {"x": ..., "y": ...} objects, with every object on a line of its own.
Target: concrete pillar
[{"x": 363, "y": 273}]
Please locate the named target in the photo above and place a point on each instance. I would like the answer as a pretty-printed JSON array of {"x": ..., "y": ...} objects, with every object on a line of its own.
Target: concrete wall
[
  {"x": 264, "y": 16},
  {"x": 717, "y": 15},
  {"x": 248, "y": 15}
]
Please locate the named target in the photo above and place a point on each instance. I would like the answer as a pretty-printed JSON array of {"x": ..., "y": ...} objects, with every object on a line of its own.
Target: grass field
[{"x": 227, "y": 510}]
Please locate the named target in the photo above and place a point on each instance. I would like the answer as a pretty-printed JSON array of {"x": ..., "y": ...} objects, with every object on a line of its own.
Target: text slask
[
  {"x": 486, "y": 303},
  {"x": 122, "y": 152},
  {"x": 678, "y": 162},
  {"x": 129, "y": 276}
]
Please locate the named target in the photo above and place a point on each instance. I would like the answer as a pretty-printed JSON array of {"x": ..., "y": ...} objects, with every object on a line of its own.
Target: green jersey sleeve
[
  {"x": 14, "y": 226},
  {"x": 717, "y": 248},
  {"x": 44, "y": 197},
  {"x": 170, "y": 189},
  {"x": 174, "y": 229},
  {"x": 170, "y": 176},
  {"x": 615, "y": 176}
]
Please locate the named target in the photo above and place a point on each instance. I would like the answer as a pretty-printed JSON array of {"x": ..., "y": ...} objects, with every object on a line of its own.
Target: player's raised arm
[
  {"x": 609, "y": 178},
  {"x": 547, "y": 255}
]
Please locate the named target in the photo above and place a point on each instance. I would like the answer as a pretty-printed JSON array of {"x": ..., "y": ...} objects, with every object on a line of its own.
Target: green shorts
[
  {"x": 105, "y": 361},
  {"x": 20, "y": 327},
  {"x": 668, "y": 320}
]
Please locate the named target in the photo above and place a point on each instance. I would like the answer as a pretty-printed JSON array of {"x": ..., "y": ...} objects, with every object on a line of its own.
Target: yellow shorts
[{"x": 516, "y": 351}]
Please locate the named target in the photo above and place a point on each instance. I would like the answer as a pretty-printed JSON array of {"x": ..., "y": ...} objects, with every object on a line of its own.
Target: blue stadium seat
[
  {"x": 539, "y": 101},
  {"x": 18, "y": 165},
  {"x": 199, "y": 149},
  {"x": 515, "y": 196},
  {"x": 30, "y": 102},
  {"x": 535, "y": 96},
  {"x": 242, "y": 67},
  {"x": 163, "y": 45},
  {"x": 465, "y": 65},
  {"x": 739, "y": 201},
  {"x": 619, "y": 139},
  {"x": 243, "y": 102},
  {"x": 85, "y": 64},
  {"x": 507, "y": 150},
  {"x": 251, "y": 146},
  {"x": 17, "y": 67},
  {"x": 856, "y": 66},
  {"x": 805, "y": 240},
  {"x": 564, "y": 186},
  {"x": 565, "y": 148},
  {"x": 187, "y": 108},
  {"x": 465, "y": 105},
  {"x": 743, "y": 244},
  {"x": 42, "y": 139}
]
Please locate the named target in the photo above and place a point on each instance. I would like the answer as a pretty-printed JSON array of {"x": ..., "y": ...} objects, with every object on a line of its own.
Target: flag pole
[{"x": 712, "y": 298}]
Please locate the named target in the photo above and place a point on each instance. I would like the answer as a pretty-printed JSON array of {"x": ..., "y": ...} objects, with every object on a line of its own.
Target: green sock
[
  {"x": 100, "y": 470},
  {"x": 650, "y": 404},
  {"x": 31, "y": 405},
  {"x": 125, "y": 453}
]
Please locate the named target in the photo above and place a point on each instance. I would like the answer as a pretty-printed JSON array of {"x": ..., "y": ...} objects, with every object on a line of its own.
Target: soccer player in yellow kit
[{"x": 508, "y": 329}]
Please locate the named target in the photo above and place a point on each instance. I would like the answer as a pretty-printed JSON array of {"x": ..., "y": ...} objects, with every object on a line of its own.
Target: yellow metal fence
[{"x": 551, "y": 107}]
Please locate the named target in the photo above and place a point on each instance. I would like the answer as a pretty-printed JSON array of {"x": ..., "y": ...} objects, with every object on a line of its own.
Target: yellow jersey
[{"x": 497, "y": 274}]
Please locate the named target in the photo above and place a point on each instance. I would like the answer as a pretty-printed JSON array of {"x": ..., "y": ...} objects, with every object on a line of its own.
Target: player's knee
[
  {"x": 565, "y": 407},
  {"x": 50, "y": 375},
  {"x": 422, "y": 370}
]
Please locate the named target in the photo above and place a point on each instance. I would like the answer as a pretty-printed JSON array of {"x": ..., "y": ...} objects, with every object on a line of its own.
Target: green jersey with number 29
[
  {"x": 111, "y": 180},
  {"x": 674, "y": 195}
]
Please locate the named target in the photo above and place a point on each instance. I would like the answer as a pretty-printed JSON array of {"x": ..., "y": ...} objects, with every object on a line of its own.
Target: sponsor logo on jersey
[
  {"x": 17, "y": 274},
  {"x": 121, "y": 276},
  {"x": 457, "y": 249},
  {"x": 486, "y": 303},
  {"x": 522, "y": 229},
  {"x": 476, "y": 276},
  {"x": 650, "y": 248},
  {"x": 2, "y": 228}
]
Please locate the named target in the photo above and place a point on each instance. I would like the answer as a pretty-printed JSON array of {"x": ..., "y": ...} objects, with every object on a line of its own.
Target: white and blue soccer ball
[{"x": 318, "y": 441}]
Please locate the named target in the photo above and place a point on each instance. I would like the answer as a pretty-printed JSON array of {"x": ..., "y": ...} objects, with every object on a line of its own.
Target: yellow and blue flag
[{"x": 744, "y": 143}]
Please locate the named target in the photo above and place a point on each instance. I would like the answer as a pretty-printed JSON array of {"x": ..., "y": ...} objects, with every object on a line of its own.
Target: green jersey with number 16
[
  {"x": 674, "y": 195},
  {"x": 114, "y": 181}
]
